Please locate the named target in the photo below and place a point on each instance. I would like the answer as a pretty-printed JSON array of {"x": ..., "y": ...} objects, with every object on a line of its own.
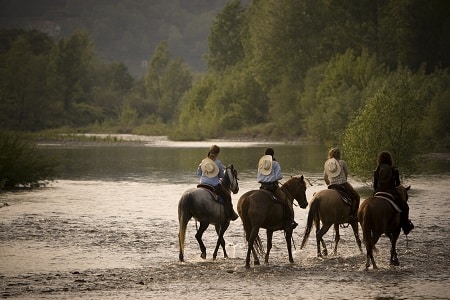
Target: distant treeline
[{"x": 349, "y": 73}]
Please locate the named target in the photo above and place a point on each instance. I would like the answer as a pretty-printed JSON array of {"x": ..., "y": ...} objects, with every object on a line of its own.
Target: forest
[{"x": 362, "y": 74}]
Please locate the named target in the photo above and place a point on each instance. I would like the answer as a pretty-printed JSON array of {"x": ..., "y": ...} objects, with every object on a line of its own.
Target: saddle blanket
[{"x": 389, "y": 198}]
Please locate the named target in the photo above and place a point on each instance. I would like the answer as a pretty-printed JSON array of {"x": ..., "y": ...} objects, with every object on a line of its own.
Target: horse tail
[
  {"x": 244, "y": 217},
  {"x": 312, "y": 215},
  {"x": 183, "y": 218},
  {"x": 366, "y": 222}
]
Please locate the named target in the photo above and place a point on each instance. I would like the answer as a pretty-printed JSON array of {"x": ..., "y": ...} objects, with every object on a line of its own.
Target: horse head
[
  {"x": 403, "y": 191},
  {"x": 231, "y": 179},
  {"x": 297, "y": 187}
]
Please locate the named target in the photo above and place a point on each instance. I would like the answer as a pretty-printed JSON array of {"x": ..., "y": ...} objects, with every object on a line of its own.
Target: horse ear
[{"x": 408, "y": 187}]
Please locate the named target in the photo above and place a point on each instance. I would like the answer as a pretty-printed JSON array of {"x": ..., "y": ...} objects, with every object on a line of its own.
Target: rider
[
  {"x": 335, "y": 175},
  {"x": 386, "y": 179},
  {"x": 269, "y": 172},
  {"x": 211, "y": 171}
]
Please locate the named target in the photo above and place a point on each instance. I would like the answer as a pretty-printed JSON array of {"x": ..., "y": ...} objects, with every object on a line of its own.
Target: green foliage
[
  {"x": 435, "y": 128},
  {"x": 390, "y": 121},
  {"x": 166, "y": 82},
  {"x": 222, "y": 102},
  {"x": 225, "y": 38},
  {"x": 20, "y": 163},
  {"x": 72, "y": 61},
  {"x": 340, "y": 94}
]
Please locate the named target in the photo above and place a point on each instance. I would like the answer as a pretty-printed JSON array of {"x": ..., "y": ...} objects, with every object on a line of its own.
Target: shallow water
[{"x": 98, "y": 239}]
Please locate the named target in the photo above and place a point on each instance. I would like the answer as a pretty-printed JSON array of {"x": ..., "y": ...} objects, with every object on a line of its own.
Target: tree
[
  {"x": 225, "y": 38},
  {"x": 71, "y": 68},
  {"x": 340, "y": 94},
  {"x": 166, "y": 82},
  {"x": 24, "y": 99},
  {"x": 390, "y": 120}
]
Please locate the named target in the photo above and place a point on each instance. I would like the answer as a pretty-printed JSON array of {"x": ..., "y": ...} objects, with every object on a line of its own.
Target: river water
[{"x": 107, "y": 229}]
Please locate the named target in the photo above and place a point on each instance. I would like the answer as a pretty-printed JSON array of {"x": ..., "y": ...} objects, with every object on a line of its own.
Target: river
[{"x": 107, "y": 229}]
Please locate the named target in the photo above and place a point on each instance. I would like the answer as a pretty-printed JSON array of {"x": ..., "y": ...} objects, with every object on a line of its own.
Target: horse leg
[
  {"x": 319, "y": 239},
  {"x": 269, "y": 245},
  {"x": 220, "y": 240},
  {"x": 394, "y": 258},
  {"x": 288, "y": 237},
  {"x": 198, "y": 236},
  {"x": 370, "y": 245},
  {"x": 356, "y": 233},
  {"x": 251, "y": 241},
  {"x": 255, "y": 257},
  {"x": 337, "y": 238}
]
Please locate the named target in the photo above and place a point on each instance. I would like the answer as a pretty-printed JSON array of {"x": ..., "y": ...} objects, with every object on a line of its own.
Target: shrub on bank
[{"x": 21, "y": 165}]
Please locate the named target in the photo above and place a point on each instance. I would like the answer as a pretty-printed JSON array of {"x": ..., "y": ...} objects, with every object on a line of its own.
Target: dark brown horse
[
  {"x": 377, "y": 216},
  {"x": 328, "y": 207},
  {"x": 258, "y": 209}
]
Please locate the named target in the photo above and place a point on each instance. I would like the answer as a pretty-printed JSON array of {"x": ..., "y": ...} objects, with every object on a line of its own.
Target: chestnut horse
[
  {"x": 200, "y": 203},
  {"x": 258, "y": 209},
  {"x": 378, "y": 216},
  {"x": 328, "y": 207}
]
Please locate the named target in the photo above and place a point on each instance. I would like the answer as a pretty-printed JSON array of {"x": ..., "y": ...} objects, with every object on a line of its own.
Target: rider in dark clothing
[{"x": 386, "y": 179}]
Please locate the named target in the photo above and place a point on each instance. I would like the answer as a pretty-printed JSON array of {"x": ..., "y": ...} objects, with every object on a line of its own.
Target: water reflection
[{"x": 178, "y": 163}]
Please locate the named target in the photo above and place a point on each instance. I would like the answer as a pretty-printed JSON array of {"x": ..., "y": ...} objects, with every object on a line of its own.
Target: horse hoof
[
  {"x": 395, "y": 262},
  {"x": 257, "y": 263},
  {"x": 203, "y": 255}
]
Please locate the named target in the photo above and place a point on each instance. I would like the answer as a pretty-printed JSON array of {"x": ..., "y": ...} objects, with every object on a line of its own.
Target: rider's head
[
  {"x": 334, "y": 153},
  {"x": 269, "y": 151},
  {"x": 384, "y": 157},
  {"x": 214, "y": 151}
]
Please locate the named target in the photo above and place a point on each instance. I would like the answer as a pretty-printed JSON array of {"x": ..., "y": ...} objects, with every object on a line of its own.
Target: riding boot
[
  {"x": 353, "y": 212},
  {"x": 289, "y": 222},
  {"x": 229, "y": 211}
]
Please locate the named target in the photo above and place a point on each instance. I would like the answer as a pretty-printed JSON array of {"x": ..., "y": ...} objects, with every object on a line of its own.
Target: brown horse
[
  {"x": 377, "y": 216},
  {"x": 258, "y": 209},
  {"x": 327, "y": 206}
]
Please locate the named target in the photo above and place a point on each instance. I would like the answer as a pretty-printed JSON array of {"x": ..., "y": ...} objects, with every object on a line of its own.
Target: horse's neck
[
  {"x": 288, "y": 193},
  {"x": 226, "y": 181}
]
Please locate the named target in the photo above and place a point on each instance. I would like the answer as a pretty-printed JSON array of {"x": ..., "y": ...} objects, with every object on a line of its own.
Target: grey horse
[{"x": 202, "y": 205}]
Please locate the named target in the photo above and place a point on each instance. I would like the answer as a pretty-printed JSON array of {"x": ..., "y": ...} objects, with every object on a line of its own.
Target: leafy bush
[{"x": 20, "y": 163}]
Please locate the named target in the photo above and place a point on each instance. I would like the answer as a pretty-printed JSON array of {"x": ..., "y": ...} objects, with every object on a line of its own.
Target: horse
[
  {"x": 328, "y": 207},
  {"x": 378, "y": 215},
  {"x": 258, "y": 209},
  {"x": 202, "y": 205}
]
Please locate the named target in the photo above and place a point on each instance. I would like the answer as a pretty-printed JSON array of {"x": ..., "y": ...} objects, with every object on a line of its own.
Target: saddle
[
  {"x": 212, "y": 191},
  {"x": 271, "y": 194},
  {"x": 342, "y": 192},
  {"x": 389, "y": 197}
]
